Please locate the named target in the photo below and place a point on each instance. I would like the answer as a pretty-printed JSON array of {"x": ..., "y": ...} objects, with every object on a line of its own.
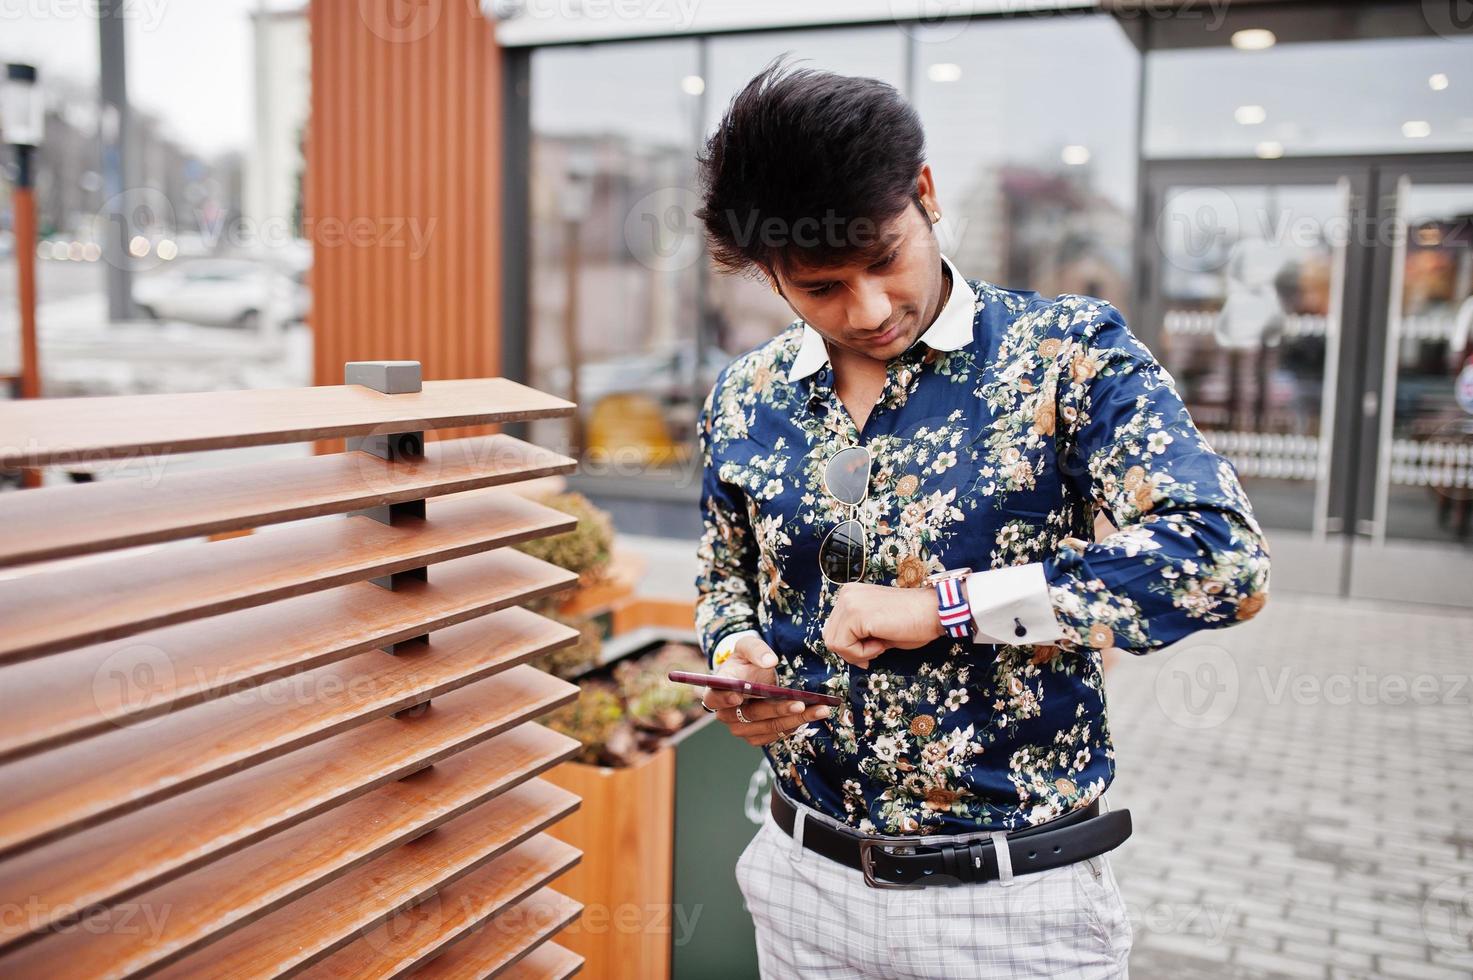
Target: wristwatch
[{"x": 952, "y": 606}]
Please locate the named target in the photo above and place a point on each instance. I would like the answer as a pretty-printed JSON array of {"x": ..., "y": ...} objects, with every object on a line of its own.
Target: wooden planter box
[{"x": 660, "y": 840}]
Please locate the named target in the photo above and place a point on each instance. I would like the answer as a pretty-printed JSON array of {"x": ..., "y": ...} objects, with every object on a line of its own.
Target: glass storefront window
[
  {"x": 1030, "y": 135},
  {"x": 614, "y": 251},
  {"x": 1405, "y": 95},
  {"x": 1425, "y": 488},
  {"x": 1031, "y": 126},
  {"x": 1249, "y": 327}
]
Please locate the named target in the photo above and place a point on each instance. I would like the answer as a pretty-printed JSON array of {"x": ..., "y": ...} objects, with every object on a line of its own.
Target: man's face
[{"x": 875, "y": 307}]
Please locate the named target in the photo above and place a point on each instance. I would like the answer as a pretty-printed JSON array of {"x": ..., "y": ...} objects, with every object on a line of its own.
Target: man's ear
[{"x": 925, "y": 194}]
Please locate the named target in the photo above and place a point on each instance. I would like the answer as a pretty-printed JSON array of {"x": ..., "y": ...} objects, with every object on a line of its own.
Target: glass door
[
  {"x": 1414, "y": 528},
  {"x": 1247, "y": 305}
]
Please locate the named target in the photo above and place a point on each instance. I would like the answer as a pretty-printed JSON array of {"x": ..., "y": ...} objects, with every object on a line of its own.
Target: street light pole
[
  {"x": 24, "y": 204},
  {"x": 21, "y": 115},
  {"x": 117, "y": 158}
]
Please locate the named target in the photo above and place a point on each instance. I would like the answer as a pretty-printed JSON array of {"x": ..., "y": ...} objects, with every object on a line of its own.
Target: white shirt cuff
[
  {"x": 1011, "y": 605},
  {"x": 723, "y": 647}
]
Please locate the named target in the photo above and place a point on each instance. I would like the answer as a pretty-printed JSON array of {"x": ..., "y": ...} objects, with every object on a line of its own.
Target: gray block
[
  {"x": 393, "y": 580},
  {"x": 389, "y": 377},
  {"x": 393, "y": 513},
  {"x": 390, "y": 446}
]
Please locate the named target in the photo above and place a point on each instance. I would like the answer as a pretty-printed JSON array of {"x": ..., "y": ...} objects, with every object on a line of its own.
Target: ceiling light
[
  {"x": 1250, "y": 115},
  {"x": 1254, "y": 39}
]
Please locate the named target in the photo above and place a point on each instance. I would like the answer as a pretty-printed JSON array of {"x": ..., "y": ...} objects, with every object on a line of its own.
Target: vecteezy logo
[
  {"x": 1198, "y": 686},
  {"x": 661, "y": 229},
  {"x": 1196, "y": 226},
  {"x": 134, "y": 679},
  {"x": 1447, "y": 916},
  {"x": 137, "y": 216},
  {"x": 1449, "y": 18},
  {"x": 754, "y": 806},
  {"x": 931, "y": 21},
  {"x": 400, "y": 21}
]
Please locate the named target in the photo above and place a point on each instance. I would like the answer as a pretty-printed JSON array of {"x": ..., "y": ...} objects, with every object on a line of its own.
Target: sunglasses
[{"x": 841, "y": 556}]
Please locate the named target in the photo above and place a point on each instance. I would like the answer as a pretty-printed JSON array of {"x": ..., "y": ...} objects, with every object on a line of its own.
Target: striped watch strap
[{"x": 956, "y": 614}]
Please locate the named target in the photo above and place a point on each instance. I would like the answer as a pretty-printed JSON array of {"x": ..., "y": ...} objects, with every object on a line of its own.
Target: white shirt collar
[{"x": 953, "y": 328}]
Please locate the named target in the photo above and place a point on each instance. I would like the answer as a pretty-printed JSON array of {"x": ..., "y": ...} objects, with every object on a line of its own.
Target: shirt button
[
  {"x": 922, "y": 725},
  {"x": 1101, "y": 636}
]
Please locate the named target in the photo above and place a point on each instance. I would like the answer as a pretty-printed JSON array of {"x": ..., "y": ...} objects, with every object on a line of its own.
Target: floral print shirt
[{"x": 992, "y": 450}]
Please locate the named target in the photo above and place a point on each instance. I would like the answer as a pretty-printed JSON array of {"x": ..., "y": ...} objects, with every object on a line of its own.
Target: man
[{"x": 899, "y": 497}]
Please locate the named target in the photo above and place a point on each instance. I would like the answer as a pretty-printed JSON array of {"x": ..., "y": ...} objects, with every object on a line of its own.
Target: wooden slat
[
  {"x": 78, "y": 786},
  {"x": 332, "y": 917},
  {"x": 45, "y": 612},
  {"x": 328, "y": 859},
  {"x": 49, "y": 702},
  {"x": 143, "y": 850},
  {"x": 422, "y": 932},
  {"x": 506, "y": 939},
  {"x": 547, "y": 962},
  {"x": 74, "y": 519},
  {"x": 66, "y": 430}
]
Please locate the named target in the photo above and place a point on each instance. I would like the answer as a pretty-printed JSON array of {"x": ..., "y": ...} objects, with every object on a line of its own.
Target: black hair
[{"x": 808, "y": 165}]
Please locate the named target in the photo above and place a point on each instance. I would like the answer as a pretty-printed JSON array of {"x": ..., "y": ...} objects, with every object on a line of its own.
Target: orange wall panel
[{"x": 402, "y": 188}]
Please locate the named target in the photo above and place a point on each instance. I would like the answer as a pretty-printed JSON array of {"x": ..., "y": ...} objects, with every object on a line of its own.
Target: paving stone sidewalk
[{"x": 1301, "y": 788}]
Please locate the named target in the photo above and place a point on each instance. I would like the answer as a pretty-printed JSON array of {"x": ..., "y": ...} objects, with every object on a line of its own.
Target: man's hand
[
  {"x": 869, "y": 619},
  {"x": 767, "y": 720}
]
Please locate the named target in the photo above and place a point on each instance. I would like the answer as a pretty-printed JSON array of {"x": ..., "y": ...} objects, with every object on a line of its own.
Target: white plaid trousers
[{"x": 816, "y": 919}]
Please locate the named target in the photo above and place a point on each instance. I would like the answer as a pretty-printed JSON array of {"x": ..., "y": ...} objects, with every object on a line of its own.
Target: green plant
[
  {"x": 596, "y": 719},
  {"x": 624, "y": 715},
  {"x": 650, "y": 699},
  {"x": 574, "y": 659},
  {"x": 587, "y": 549}
]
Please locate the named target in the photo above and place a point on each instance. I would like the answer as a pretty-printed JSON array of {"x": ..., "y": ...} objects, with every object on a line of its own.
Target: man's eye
[{"x": 828, "y": 287}]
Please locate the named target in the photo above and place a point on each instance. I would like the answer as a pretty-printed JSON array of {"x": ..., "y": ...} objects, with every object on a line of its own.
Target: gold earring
[
  {"x": 773, "y": 284},
  {"x": 935, "y": 216}
]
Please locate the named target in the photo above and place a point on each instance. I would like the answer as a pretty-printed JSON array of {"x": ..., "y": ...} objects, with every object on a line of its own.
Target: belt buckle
[{"x": 866, "y": 864}]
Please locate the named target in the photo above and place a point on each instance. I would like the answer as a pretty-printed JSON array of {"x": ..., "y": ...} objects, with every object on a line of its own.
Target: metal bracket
[{"x": 392, "y": 378}]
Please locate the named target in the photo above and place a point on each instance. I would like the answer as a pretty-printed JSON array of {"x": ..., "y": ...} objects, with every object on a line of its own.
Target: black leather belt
[{"x": 1072, "y": 837}]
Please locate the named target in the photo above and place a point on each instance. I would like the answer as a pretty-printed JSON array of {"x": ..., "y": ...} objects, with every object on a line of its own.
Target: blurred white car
[
  {"x": 221, "y": 292},
  {"x": 663, "y": 374}
]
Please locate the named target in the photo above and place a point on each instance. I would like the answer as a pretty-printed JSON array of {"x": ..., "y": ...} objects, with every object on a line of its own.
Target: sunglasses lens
[
  {"x": 847, "y": 474},
  {"x": 841, "y": 556}
]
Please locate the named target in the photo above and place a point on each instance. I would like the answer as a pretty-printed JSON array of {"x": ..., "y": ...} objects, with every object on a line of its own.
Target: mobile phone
[{"x": 752, "y": 689}]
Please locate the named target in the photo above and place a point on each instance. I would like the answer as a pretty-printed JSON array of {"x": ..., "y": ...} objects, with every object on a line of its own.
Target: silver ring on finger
[{"x": 741, "y": 717}]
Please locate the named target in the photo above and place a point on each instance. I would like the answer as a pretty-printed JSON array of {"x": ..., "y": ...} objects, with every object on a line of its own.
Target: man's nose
[{"x": 869, "y": 305}]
